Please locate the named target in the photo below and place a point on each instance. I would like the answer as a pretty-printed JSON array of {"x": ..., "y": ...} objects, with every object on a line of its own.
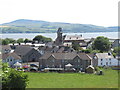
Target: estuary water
[{"x": 111, "y": 35}]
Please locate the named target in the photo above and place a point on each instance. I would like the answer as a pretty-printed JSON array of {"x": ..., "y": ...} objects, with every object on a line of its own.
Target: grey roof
[
  {"x": 65, "y": 56},
  {"x": 61, "y": 50},
  {"x": 91, "y": 55},
  {"x": 73, "y": 37},
  {"x": 7, "y": 47},
  {"x": 56, "y": 49},
  {"x": 5, "y": 55},
  {"x": 104, "y": 55},
  {"x": 22, "y": 50},
  {"x": 84, "y": 56}
]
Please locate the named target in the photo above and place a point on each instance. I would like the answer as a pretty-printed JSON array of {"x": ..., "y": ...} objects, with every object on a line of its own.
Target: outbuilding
[{"x": 90, "y": 69}]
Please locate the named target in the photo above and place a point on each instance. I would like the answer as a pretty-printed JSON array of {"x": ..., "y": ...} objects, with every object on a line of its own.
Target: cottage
[
  {"x": 11, "y": 58},
  {"x": 6, "y": 49},
  {"x": 27, "y": 53},
  {"x": 105, "y": 59}
]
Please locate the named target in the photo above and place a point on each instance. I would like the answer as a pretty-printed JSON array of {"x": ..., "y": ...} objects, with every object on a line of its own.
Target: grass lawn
[{"x": 73, "y": 80}]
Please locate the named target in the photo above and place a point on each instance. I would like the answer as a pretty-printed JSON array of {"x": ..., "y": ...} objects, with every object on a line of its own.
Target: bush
[{"x": 12, "y": 78}]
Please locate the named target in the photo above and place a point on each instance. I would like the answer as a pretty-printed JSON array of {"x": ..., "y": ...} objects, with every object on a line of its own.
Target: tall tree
[{"x": 101, "y": 43}]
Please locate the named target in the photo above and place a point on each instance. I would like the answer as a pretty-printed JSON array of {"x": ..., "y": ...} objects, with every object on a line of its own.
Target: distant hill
[{"x": 38, "y": 26}]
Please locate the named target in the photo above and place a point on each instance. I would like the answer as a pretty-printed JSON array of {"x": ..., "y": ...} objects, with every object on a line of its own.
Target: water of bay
[{"x": 111, "y": 35}]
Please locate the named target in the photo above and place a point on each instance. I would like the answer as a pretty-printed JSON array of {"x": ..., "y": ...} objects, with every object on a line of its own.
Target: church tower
[{"x": 59, "y": 39}]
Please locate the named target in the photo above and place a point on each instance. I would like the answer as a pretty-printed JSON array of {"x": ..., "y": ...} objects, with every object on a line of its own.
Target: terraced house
[{"x": 60, "y": 60}]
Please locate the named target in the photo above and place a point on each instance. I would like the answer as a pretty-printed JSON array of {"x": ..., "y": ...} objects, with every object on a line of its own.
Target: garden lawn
[{"x": 73, "y": 80}]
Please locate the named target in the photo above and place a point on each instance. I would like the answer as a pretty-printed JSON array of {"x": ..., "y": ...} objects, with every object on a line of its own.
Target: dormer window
[
  {"x": 77, "y": 37},
  {"x": 70, "y": 37},
  {"x": 94, "y": 57}
]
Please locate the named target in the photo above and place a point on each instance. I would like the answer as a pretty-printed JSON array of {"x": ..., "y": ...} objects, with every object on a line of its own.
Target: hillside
[{"x": 38, "y": 26}]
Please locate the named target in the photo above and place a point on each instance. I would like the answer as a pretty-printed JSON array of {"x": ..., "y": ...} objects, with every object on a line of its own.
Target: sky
[{"x": 96, "y": 12}]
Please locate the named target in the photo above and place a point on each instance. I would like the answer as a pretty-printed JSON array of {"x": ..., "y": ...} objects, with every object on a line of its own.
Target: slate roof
[
  {"x": 73, "y": 37},
  {"x": 7, "y": 47},
  {"x": 65, "y": 56},
  {"x": 84, "y": 56},
  {"x": 56, "y": 49},
  {"x": 104, "y": 55},
  {"x": 22, "y": 50},
  {"x": 5, "y": 55}
]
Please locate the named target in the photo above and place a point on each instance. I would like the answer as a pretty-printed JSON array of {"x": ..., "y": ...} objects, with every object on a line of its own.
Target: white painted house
[
  {"x": 11, "y": 58},
  {"x": 106, "y": 59}
]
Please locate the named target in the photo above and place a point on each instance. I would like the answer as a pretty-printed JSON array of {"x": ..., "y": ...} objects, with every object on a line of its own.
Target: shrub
[{"x": 12, "y": 78}]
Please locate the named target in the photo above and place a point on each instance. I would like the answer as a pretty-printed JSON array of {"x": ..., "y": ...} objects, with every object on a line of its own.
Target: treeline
[
  {"x": 38, "y": 39},
  {"x": 100, "y": 45}
]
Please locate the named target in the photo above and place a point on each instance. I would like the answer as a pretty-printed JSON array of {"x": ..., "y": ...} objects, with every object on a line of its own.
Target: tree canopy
[
  {"x": 13, "y": 79},
  {"x": 101, "y": 43},
  {"x": 41, "y": 38},
  {"x": 76, "y": 46},
  {"x": 117, "y": 50},
  {"x": 6, "y": 41},
  {"x": 20, "y": 40}
]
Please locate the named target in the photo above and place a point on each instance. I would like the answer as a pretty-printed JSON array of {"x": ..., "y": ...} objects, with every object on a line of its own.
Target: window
[
  {"x": 109, "y": 58},
  {"x": 106, "y": 63},
  {"x": 101, "y": 59},
  {"x": 110, "y": 63},
  {"x": 101, "y": 63},
  {"x": 78, "y": 60},
  {"x": 53, "y": 60}
]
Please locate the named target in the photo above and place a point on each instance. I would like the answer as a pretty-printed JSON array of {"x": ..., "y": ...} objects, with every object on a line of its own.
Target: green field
[{"x": 73, "y": 80}]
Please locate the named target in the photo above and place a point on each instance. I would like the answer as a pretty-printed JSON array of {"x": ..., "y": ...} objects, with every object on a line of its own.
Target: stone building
[
  {"x": 60, "y": 60},
  {"x": 67, "y": 40},
  {"x": 59, "y": 39},
  {"x": 27, "y": 53}
]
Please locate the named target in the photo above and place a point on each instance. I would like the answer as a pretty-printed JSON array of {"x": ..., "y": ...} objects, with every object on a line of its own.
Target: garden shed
[{"x": 90, "y": 69}]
